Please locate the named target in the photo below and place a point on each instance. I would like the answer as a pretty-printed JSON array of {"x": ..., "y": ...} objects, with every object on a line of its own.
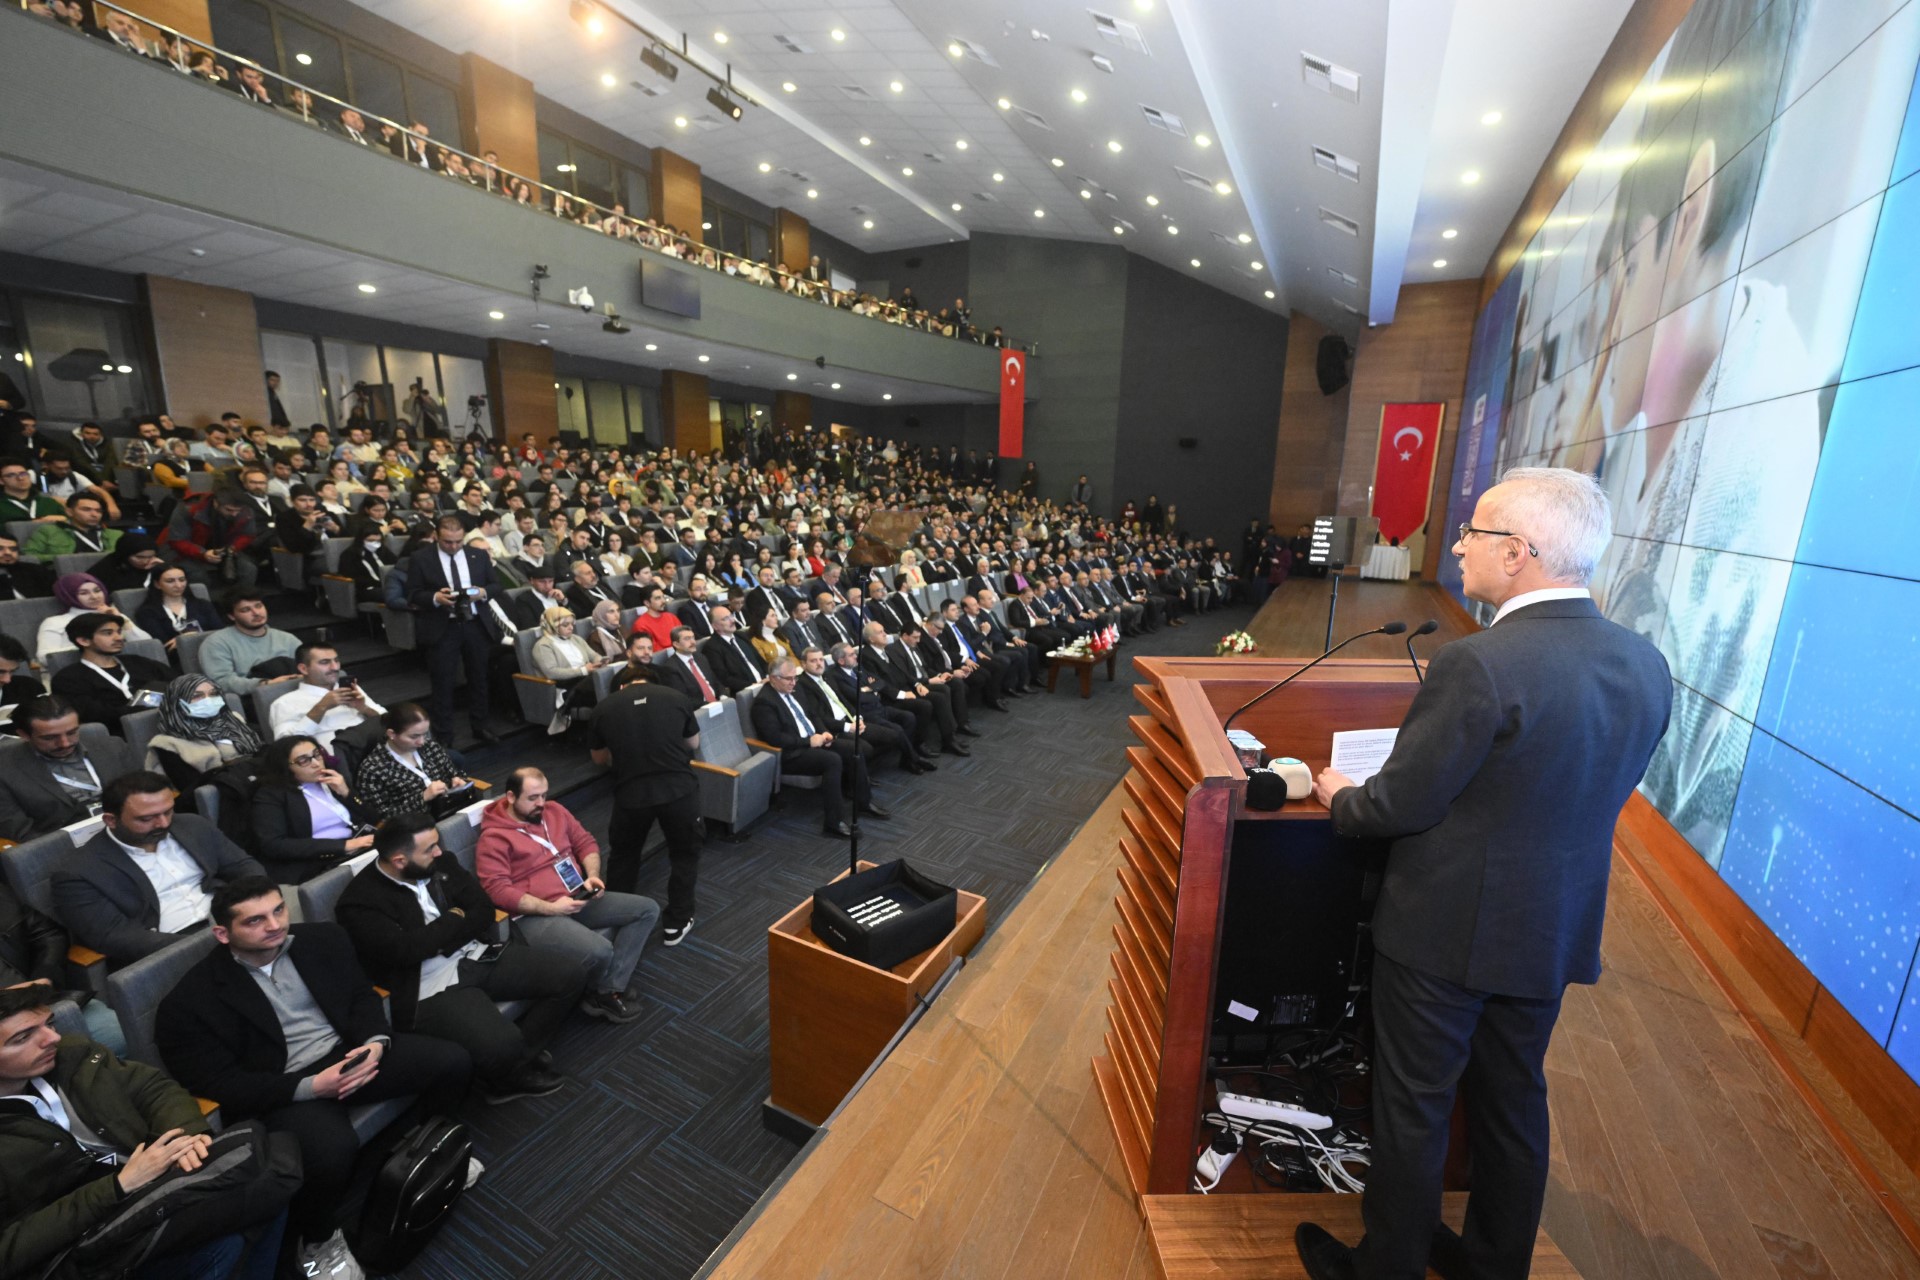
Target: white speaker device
[{"x": 1284, "y": 779}]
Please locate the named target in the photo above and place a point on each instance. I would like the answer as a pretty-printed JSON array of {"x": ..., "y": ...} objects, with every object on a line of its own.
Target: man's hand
[
  {"x": 444, "y": 597},
  {"x": 563, "y": 906},
  {"x": 151, "y": 1159},
  {"x": 337, "y": 1082},
  {"x": 194, "y": 1152},
  {"x": 819, "y": 739},
  {"x": 1329, "y": 784}
]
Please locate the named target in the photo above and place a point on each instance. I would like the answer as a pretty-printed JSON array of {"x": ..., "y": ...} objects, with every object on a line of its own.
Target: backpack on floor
[{"x": 413, "y": 1194}]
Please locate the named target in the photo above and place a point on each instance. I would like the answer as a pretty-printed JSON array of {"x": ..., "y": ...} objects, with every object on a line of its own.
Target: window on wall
[
  {"x": 313, "y": 58},
  {"x": 581, "y": 171},
  {"x": 377, "y": 85},
  {"x": 570, "y": 402},
  {"x": 637, "y": 419},
  {"x": 244, "y": 27},
  {"x": 296, "y": 358},
  {"x": 83, "y": 360},
  {"x": 434, "y": 105},
  {"x": 731, "y": 231}
]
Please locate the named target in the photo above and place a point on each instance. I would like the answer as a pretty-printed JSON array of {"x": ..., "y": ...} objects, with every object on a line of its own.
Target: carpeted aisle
[{"x": 653, "y": 1152}]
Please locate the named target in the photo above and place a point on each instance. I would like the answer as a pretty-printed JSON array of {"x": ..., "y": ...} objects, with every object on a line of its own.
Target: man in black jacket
[
  {"x": 423, "y": 928},
  {"x": 731, "y": 658},
  {"x": 812, "y": 749},
  {"x": 21, "y": 579},
  {"x": 278, "y": 1023},
  {"x": 903, "y": 684},
  {"x": 107, "y": 683},
  {"x": 1500, "y": 798},
  {"x": 858, "y": 689},
  {"x": 448, "y": 584}
]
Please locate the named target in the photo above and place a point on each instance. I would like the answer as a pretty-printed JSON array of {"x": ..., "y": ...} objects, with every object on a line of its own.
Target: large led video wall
[{"x": 1721, "y": 320}]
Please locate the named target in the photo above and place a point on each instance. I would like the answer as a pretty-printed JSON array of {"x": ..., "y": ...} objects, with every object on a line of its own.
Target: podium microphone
[
  {"x": 1426, "y": 628},
  {"x": 1390, "y": 629}
]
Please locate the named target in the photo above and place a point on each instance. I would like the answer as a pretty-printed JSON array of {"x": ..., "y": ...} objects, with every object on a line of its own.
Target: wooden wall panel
[
  {"x": 1421, "y": 356},
  {"x": 189, "y": 17},
  {"x": 1644, "y": 31},
  {"x": 497, "y": 114},
  {"x": 792, "y": 411},
  {"x": 792, "y": 237},
  {"x": 673, "y": 191},
  {"x": 208, "y": 343},
  {"x": 520, "y": 384},
  {"x": 686, "y": 419},
  {"x": 1312, "y": 434}
]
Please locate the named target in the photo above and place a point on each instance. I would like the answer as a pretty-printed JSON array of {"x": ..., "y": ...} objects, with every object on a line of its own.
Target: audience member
[
  {"x": 810, "y": 749},
  {"x": 198, "y": 733},
  {"x": 326, "y": 701},
  {"x": 15, "y": 688},
  {"x": 83, "y": 594},
  {"x": 21, "y": 579},
  {"x": 249, "y": 653},
  {"x": 448, "y": 584},
  {"x": 305, "y": 818},
  {"x": 59, "y": 780},
  {"x": 410, "y": 770},
  {"x": 107, "y": 683}
]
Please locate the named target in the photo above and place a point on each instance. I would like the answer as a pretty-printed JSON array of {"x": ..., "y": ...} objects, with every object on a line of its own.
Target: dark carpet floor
[{"x": 654, "y": 1151}]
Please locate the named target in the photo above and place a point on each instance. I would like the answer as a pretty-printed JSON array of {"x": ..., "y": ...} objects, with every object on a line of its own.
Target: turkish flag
[
  {"x": 1013, "y": 402},
  {"x": 1403, "y": 468}
]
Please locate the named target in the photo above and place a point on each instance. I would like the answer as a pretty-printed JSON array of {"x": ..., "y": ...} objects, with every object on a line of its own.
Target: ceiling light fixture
[
  {"x": 1153, "y": 202},
  {"x": 1438, "y": 263},
  {"x": 813, "y": 193},
  {"x": 1269, "y": 293},
  {"x": 1223, "y": 188},
  {"x": 1194, "y": 261},
  {"x": 1085, "y": 194},
  {"x": 724, "y": 105},
  {"x": 1113, "y": 145},
  {"x": 563, "y": 168},
  {"x": 1449, "y": 233},
  {"x": 868, "y": 224},
  {"x": 1144, "y": 6},
  {"x": 1119, "y": 230},
  {"x": 788, "y": 86},
  {"x": 1258, "y": 265},
  {"x": 609, "y": 79},
  {"x": 1172, "y": 230},
  {"x": 679, "y": 122},
  {"x": 1078, "y": 95},
  {"x": 955, "y": 49},
  {"x": 793, "y": 377},
  {"x": 367, "y": 288},
  {"x": 1202, "y": 140},
  {"x": 703, "y": 359},
  {"x": 496, "y": 315},
  {"x": 956, "y": 206},
  {"x": 304, "y": 59},
  {"x": 765, "y": 167},
  {"x": 960, "y": 144},
  {"x": 1470, "y": 177},
  {"x": 654, "y": 58},
  {"x": 865, "y": 141},
  {"x": 1039, "y": 213},
  {"x": 906, "y": 171},
  {"x": 123, "y": 368},
  {"x": 834, "y": 385},
  {"x": 999, "y": 177},
  {"x": 1244, "y": 238},
  {"x": 1057, "y": 163},
  {"x": 653, "y": 346},
  {"x": 896, "y": 86},
  {"x": 719, "y": 37},
  {"x": 1491, "y": 118},
  {"x": 1003, "y": 103},
  {"x": 886, "y": 395},
  {"x": 838, "y": 35}
]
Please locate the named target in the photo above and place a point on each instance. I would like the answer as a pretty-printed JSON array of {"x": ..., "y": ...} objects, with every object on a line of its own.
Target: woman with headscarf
[
  {"x": 171, "y": 609},
  {"x": 80, "y": 593},
  {"x": 133, "y": 562},
  {"x": 199, "y": 733},
  {"x": 367, "y": 562},
  {"x": 568, "y": 661},
  {"x": 604, "y": 637}
]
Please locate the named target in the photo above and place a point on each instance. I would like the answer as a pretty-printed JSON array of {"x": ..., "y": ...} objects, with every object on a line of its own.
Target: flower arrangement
[{"x": 1238, "y": 643}]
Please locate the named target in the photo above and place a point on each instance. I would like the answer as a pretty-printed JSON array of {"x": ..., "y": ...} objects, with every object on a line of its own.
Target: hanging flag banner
[
  {"x": 1013, "y": 402},
  {"x": 1403, "y": 468}
]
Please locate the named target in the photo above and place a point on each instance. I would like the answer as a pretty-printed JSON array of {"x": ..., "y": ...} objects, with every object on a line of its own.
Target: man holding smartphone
[
  {"x": 538, "y": 863},
  {"x": 279, "y": 1022}
]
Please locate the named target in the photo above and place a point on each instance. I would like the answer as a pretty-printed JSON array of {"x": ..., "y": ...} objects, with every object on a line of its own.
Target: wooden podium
[
  {"x": 1185, "y": 794},
  {"x": 829, "y": 1015}
]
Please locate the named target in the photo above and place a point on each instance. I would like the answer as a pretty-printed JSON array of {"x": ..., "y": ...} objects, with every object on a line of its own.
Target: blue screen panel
[
  {"x": 1864, "y": 511},
  {"x": 1834, "y": 871},
  {"x": 1905, "y": 1045},
  {"x": 1884, "y": 335}
]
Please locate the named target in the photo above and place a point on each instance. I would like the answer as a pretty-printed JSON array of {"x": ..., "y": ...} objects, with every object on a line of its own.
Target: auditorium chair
[
  {"x": 264, "y": 696},
  {"x": 21, "y": 619},
  {"x": 29, "y": 869},
  {"x": 539, "y": 696},
  {"x": 736, "y": 782},
  {"x": 743, "y": 703},
  {"x": 75, "y": 562}
]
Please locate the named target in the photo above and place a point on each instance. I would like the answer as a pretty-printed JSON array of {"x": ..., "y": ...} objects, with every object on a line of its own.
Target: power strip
[
  {"x": 1213, "y": 1162},
  {"x": 1242, "y": 1107}
]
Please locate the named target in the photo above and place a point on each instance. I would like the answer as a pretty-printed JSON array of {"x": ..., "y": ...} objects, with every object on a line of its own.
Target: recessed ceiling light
[
  {"x": 865, "y": 141},
  {"x": 703, "y": 359},
  {"x": 719, "y": 37},
  {"x": 106, "y": 368},
  {"x": 1470, "y": 177},
  {"x": 765, "y": 167},
  {"x": 1003, "y": 103},
  {"x": 706, "y": 226},
  {"x": 1078, "y": 95},
  {"x": 837, "y": 34},
  {"x": 1269, "y": 293},
  {"x": 956, "y": 206},
  {"x": 788, "y": 86},
  {"x": 1258, "y": 266},
  {"x": 834, "y": 385},
  {"x": 1085, "y": 194},
  {"x": 1194, "y": 261},
  {"x": 999, "y": 177},
  {"x": 793, "y": 377},
  {"x": 1172, "y": 230},
  {"x": 123, "y": 368},
  {"x": 1245, "y": 238},
  {"x": 1153, "y": 202},
  {"x": 1119, "y": 230},
  {"x": 1223, "y": 188},
  {"x": 960, "y": 144},
  {"x": 679, "y": 122},
  {"x": 1202, "y": 140},
  {"x": 906, "y": 171},
  {"x": 563, "y": 168},
  {"x": 813, "y": 193},
  {"x": 653, "y": 346},
  {"x": 868, "y": 224},
  {"x": 1113, "y": 145},
  {"x": 1057, "y": 163},
  {"x": 496, "y": 315},
  {"x": 955, "y": 49},
  {"x": 1439, "y": 263},
  {"x": 304, "y": 59},
  {"x": 1144, "y": 6},
  {"x": 896, "y": 86},
  {"x": 1449, "y": 233},
  {"x": 367, "y": 288},
  {"x": 1491, "y": 118},
  {"x": 886, "y": 395},
  {"x": 1039, "y": 213}
]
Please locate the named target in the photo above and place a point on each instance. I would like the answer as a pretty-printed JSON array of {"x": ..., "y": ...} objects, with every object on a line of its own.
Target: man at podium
[{"x": 1500, "y": 799}]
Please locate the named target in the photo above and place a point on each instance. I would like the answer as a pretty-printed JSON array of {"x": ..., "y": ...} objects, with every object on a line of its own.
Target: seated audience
[
  {"x": 58, "y": 780},
  {"x": 33, "y": 950},
  {"x": 172, "y": 610},
  {"x": 208, "y": 535},
  {"x": 808, "y": 748},
  {"x": 82, "y": 593},
  {"x": 410, "y": 770},
  {"x": 148, "y": 877},
  {"x": 305, "y": 817},
  {"x": 199, "y": 733},
  {"x": 563, "y": 657},
  {"x": 15, "y": 688},
  {"x": 603, "y": 636},
  {"x": 84, "y": 531},
  {"x": 423, "y": 929},
  {"x": 107, "y": 683},
  {"x": 280, "y": 1024},
  {"x": 325, "y": 701},
  {"x": 21, "y": 579},
  {"x": 248, "y": 653}
]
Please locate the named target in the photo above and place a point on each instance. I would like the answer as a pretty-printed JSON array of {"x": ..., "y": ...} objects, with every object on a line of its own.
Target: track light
[
  {"x": 588, "y": 16},
  {"x": 654, "y": 59},
  {"x": 725, "y": 105}
]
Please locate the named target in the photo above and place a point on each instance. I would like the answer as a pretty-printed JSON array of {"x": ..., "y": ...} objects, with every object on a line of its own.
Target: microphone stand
[
  {"x": 1426, "y": 628},
  {"x": 853, "y": 839},
  {"x": 1390, "y": 629}
]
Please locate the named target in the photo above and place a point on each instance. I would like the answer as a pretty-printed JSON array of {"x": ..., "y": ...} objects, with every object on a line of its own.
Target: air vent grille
[
  {"x": 1339, "y": 222},
  {"x": 1329, "y": 77},
  {"x": 856, "y": 92},
  {"x": 1119, "y": 32},
  {"x": 1344, "y": 277},
  {"x": 976, "y": 52},
  {"x": 792, "y": 44},
  {"x": 1164, "y": 120},
  {"x": 1333, "y": 162},
  {"x": 1192, "y": 179},
  {"x": 1033, "y": 118}
]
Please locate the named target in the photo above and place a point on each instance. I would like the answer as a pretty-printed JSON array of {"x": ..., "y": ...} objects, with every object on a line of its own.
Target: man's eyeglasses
[{"x": 1466, "y": 529}]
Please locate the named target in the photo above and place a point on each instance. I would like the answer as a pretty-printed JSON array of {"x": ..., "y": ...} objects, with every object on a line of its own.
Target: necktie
[
  {"x": 964, "y": 646},
  {"x": 799, "y": 717},
  {"x": 706, "y": 690},
  {"x": 833, "y": 699},
  {"x": 456, "y": 572},
  {"x": 913, "y": 658}
]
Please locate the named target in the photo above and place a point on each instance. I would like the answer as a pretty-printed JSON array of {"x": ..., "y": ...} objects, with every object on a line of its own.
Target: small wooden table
[{"x": 1082, "y": 664}]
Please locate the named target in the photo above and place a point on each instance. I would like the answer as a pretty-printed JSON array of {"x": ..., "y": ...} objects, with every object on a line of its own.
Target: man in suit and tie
[
  {"x": 897, "y": 685},
  {"x": 822, "y": 703},
  {"x": 1500, "y": 799},
  {"x": 828, "y": 583},
  {"x": 990, "y": 674},
  {"x": 800, "y": 631},
  {"x": 353, "y": 127},
  {"x": 586, "y": 589},
  {"x": 526, "y": 609},
  {"x": 895, "y": 610},
  {"x": 767, "y": 598},
  {"x": 730, "y": 657},
  {"x": 829, "y": 625},
  {"x": 858, "y": 690},
  {"x": 148, "y": 877},
  {"x": 448, "y": 585},
  {"x": 807, "y": 748},
  {"x": 696, "y": 610},
  {"x": 977, "y": 611},
  {"x": 58, "y": 780},
  {"x": 915, "y": 652},
  {"x": 683, "y": 667}
]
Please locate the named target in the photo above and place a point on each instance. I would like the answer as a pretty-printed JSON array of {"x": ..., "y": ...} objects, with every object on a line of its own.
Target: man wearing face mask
[{"x": 148, "y": 877}]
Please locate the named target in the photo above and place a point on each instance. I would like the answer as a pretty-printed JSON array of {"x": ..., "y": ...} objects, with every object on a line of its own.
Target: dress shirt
[
  {"x": 437, "y": 973},
  {"x": 176, "y": 881},
  {"x": 699, "y": 677},
  {"x": 290, "y": 715},
  {"x": 840, "y": 711},
  {"x": 331, "y": 820},
  {"x": 799, "y": 717},
  {"x": 454, "y": 565},
  {"x": 1526, "y": 598}
]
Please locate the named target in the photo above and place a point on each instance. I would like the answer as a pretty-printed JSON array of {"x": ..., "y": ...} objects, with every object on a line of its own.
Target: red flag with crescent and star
[
  {"x": 1013, "y": 402},
  {"x": 1403, "y": 468}
]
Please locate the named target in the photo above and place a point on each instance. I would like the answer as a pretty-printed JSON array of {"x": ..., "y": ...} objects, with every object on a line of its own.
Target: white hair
[{"x": 1563, "y": 514}]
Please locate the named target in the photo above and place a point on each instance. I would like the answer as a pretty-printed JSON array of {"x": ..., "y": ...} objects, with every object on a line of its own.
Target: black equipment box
[{"x": 884, "y": 914}]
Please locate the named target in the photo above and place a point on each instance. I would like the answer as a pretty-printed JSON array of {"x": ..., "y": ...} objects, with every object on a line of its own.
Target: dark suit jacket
[
  {"x": 392, "y": 938},
  {"x": 218, "y": 1035},
  {"x": 283, "y": 829},
  {"x": 582, "y": 601},
  {"x": 100, "y": 702},
  {"x": 526, "y": 610},
  {"x": 774, "y": 724},
  {"x": 691, "y": 615},
  {"x": 109, "y": 904},
  {"x": 858, "y": 694},
  {"x": 673, "y": 669},
  {"x": 425, "y": 575},
  {"x": 151, "y": 617},
  {"x": 799, "y": 636},
  {"x": 831, "y": 629},
  {"x": 736, "y": 664},
  {"x": 1501, "y": 796},
  {"x": 32, "y": 803},
  {"x": 760, "y": 602}
]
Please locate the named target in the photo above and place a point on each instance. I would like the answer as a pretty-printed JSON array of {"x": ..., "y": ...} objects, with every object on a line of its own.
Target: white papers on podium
[{"x": 1359, "y": 753}]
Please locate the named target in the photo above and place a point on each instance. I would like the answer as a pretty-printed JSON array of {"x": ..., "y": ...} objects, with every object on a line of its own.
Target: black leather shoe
[
  {"x": 1448, "y": 1254},
  {"x": 966, "y": 732},
  {"x": 996, "y": 706},
  {"x": 1324, "y": 1257},
  {"x": 840, "y": 829},
  {"x": 486, "y": 737},
  {"x": 925, "y": 764},
  {"x": 955, "y": 749},
  {"x": 875, "y": 811}
]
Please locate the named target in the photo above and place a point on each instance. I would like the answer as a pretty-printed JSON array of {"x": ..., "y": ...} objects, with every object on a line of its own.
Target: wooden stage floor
[{"x": 979, "y": 1148}]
